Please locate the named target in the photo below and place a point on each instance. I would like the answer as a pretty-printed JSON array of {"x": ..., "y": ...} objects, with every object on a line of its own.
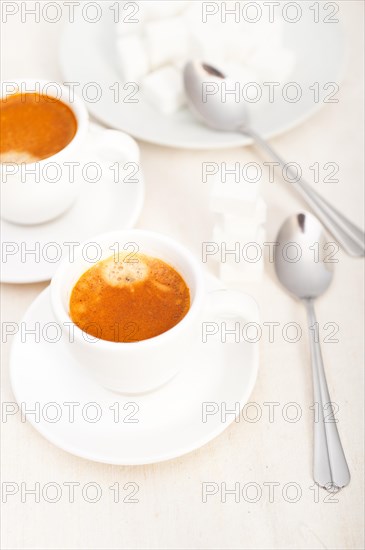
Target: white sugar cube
[
  {"x": 121, "y": 29},
  {"x": 250, "y": 266},
  {"x": 206, "y": 44},
  {"x": 128, "y": 23},
  {"x": 193, "y": 14},
  {"x": 166, "y": 41},
  {"x": 248, "y": 233},
  {"x": 180, "y": 64},
  {"x": 239, "y": 224},
  {"x": 244, "y": 38},
  {"x": 248, "y": 273},
  {"x": 164, "y": 89},
  {"x": 234, "y": 198},
  {"x": 206, "y": 40},
  {"x": 132, "y": 57}
]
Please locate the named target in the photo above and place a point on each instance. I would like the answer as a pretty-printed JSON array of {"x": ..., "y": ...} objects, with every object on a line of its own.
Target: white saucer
[
  {"x": 319, "y": 59},
  {"x": 100, "y": 207},
  {"x": 169, "y": 419}
]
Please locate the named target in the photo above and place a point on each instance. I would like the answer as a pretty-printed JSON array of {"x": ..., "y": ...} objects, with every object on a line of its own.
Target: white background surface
[{"x": 170, "y": 512}]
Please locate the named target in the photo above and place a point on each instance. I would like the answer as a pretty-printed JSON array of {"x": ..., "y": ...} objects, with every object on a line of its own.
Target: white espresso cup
[
  {"x": 130, "y": 367},
  {"x": 33, "y": 193}
]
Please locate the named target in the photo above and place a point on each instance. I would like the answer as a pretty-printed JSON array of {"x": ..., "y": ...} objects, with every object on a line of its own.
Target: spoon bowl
[
  {"x": 207, "y": 89},
  {"x": 302, "y": 257}
]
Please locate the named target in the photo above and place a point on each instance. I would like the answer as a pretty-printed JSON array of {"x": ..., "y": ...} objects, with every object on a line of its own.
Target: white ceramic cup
[
  {"x": 134, "y": 367},
  {"x": 38, "y": 192}
]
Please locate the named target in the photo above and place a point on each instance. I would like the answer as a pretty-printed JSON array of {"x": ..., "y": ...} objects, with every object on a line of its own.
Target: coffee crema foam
[
  {"x": 121, "y": 273},
  {"x": 129, "y": 298},
  {"x": 17, "y": 157}
]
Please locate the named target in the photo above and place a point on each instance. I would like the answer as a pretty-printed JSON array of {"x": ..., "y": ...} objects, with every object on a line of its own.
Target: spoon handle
[
  {"x": 350, "y": 237},
  {"x": 330, "y": 469}
]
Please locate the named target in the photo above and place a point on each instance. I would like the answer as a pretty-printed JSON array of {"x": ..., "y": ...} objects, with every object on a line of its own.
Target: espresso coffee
[
  {"x": 129, "y": 298},
  {"x": 34, "y": 127}
]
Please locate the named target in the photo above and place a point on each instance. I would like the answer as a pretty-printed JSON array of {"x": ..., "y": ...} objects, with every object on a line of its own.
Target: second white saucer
[{"x": 31, "y": 253}]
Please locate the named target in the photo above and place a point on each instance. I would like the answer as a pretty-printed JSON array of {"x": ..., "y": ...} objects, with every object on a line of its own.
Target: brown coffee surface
[
  {"x": 129, "y": 298},
  {"x": 34, "y": 127}
]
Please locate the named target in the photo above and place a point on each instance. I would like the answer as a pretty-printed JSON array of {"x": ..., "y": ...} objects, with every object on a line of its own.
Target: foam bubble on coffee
[
  {"x": 124, "y": 271},
  {"x": 17, "y": 157}
]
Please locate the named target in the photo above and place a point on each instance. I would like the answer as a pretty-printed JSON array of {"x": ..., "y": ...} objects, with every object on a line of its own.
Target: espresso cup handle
[
  {"x": 224, "y": 305},
  {"x": 115, "y": 153}
]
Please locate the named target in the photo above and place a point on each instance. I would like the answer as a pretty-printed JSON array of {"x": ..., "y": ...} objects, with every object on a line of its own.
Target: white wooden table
[{"x": 170, "y": 512}]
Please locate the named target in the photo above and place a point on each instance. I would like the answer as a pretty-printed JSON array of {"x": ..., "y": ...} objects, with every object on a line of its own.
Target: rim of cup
[
  {"x": 77, "y": 106},
  {"x": 196, "y": 300}
]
